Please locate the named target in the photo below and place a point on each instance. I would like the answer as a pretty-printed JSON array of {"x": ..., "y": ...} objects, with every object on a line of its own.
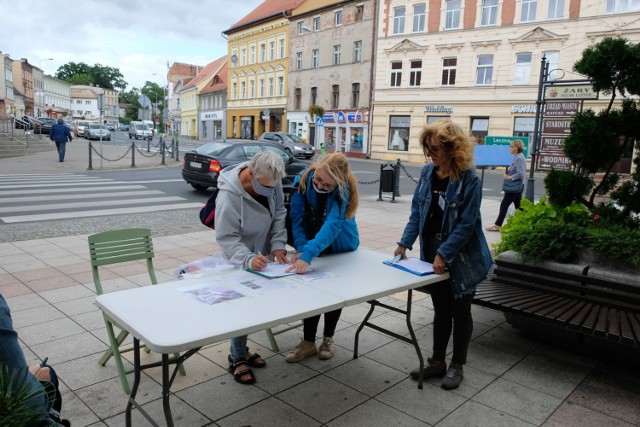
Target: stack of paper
[{"x": 412, "y": 265}]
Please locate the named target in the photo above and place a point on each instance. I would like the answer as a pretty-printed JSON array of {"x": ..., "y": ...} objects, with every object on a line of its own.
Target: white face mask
[{"x": 318, "y": 189}]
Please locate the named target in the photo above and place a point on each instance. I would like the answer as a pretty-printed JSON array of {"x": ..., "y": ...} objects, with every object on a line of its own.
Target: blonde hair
[
  {"x": 454, "y": 140},
  {"x": 337, "y": 167},
  {"x": 518, "y": 145}
]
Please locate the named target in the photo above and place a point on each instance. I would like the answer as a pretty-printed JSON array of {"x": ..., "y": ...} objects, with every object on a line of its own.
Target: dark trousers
[
  {"x": 450, "y": 313},
  {"x": 62, "y": 147},
  {"x": 330, "y": 322},
  {"x": 506, "y": 202}
]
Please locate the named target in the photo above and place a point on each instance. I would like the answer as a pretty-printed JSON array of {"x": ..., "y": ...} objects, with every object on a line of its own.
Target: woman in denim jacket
[{"x": 445, "y": 215}]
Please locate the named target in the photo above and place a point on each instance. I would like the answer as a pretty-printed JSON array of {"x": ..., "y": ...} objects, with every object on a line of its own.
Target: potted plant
[{"x": 316, "y": 111}]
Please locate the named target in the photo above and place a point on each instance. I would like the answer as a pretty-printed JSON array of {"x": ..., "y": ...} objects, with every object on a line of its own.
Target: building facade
[
  {"x": 331, "y": 66},
  {"x": 22, "y": 73},
  {"x": 477, "y": 62},
  {"x": 7, "y": 96},
  {"x": 178, "y": 75},
  {"x": 38, "y": 92},
  {"x": 258, "y": 55},
  {"x": 212, "y": 107},
  {"x": 57, "y": 97}
]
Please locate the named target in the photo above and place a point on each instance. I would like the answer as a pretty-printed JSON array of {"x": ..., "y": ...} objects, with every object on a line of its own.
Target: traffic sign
[
  {"x": 507, "y": 140},
  {"x": 319, "y": 122}
]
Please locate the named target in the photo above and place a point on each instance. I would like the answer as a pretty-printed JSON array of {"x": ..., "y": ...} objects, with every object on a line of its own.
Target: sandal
[
  {"x": 255, "y": 360},
  {"x": 493, "y": 228},
  {"x": 237, "y": 376}
]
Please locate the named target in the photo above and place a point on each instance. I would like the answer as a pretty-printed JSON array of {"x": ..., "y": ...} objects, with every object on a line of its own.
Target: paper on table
[
  {"x": 311, "y": 275},
  {"x": 256, "y": 283},
  {"x": 210, "y": 293},
  {"x": 273, "y": 270},
  {"x": 412, "y": 265}
]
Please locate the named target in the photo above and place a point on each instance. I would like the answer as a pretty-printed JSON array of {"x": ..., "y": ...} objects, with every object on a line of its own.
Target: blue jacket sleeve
[{"x": 336, "y": 215}]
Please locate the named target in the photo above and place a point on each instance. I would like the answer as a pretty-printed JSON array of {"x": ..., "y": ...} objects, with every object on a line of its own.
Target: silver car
[
  {"x": 94, "y": 131},
  {"x": 291, "y": 143}
]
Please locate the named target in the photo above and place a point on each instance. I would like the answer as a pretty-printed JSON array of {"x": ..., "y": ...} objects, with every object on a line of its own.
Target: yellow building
[{"x": 257, "y": 75}]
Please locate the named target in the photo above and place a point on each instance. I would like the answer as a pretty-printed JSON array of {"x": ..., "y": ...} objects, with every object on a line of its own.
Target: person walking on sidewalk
[
  {"x": 323, "y": 208},
  {"x": 514, "y": 183},
  {"x": 60, "y": 134},
  {"x": 445, "y": 216}
]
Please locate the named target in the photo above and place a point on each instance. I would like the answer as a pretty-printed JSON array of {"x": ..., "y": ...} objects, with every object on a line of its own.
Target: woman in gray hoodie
[{"x": 249, "y": 222}]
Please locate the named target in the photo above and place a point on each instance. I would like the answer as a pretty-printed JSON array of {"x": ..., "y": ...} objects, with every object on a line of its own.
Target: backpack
[{"x": 208, "y": 211}]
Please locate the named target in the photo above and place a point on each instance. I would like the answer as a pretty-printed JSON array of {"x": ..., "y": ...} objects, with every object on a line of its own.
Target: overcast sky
[{"x": 136, "y": 36}]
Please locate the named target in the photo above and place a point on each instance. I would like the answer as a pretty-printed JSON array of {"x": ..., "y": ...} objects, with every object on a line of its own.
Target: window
[
  {"x": 522, "y": 74},
  {"x": 280, "y": 86},
  {"x": 261, "y": 87},
  {"x": 480, "y": 128},
  {"x": 272, "y": 51},
  {"x": 234, "y": 92},
  {"x": 415, "y": 74},
  {"x": 355, "y": 95},
  {"x": 489, "y": 12},
  {"x": 359, "y": 12},
  {"x": 553, "y": 58},
  {"x": 621, "y": 6},
  {"x": 556, "y": 9},
  {"x": 335, "y": 96},
  {"x": 316, "y": 23},
  {"x": 452, "y": 18},
  {"x": 243, "y": 56},
  {"x": 419, "y": 11},
  {"x": 87, "y": 102},
  {"x": 263, "y": 52},
  {"x": 78, "y": 101},
  {"x": 282, "y": 49},
  {"x": 398, "y": 20},
  {"x": 252, "y": 89},
  {"x": 338, "y": 18},
  {"x": 298, "y": 60},
  {"x": 449, "y": 69},
  {"x": 252, "y": 55},
  {"x": 528, "y": 12},
  {"x": 314, "y": 95},
  {"x": 484, "y": 72},
  {"x": 300, "y": 26},
  {"x": 297, "y": 99},
  {"x": 336, "y": 54},
  {"x": 271, "y": 88},
  {"x": 243, "y": 88},
  {"x": 396, "y": 74},
  {"x": 315, "y": 58},
  {"x": 523, "y": 127},
  {"x": 399, "y": 127},
  {"x": 357, "y": 51}
]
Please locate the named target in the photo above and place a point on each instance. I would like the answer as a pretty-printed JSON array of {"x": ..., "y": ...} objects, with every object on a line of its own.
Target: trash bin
[{"x": 387, "y": 180}]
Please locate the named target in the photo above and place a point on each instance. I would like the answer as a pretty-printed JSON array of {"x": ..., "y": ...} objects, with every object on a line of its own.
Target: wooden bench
[{"x": 579, "y": 299}]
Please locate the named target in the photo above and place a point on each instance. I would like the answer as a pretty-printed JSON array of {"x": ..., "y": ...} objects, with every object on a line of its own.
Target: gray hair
[
  {"x": 267, "y": 165},
  {"x": 60, "y": 120}
]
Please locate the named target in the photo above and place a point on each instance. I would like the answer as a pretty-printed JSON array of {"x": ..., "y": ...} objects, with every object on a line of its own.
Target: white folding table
[{"x": 169, "y": 321}]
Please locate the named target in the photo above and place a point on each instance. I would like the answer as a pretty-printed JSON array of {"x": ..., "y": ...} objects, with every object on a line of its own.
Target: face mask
[
  {"x": 261, "y": 189},
  {"x": 318, "y": 189}
]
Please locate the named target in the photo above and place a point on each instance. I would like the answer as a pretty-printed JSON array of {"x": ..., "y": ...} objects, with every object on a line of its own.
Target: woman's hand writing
[{"x": 258, "y": 262}]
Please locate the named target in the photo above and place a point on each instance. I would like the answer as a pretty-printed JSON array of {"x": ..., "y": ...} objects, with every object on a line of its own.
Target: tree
[
  {"x": 156, "y": 94},
  {"x": 130, "y": 97},
  {"x": 102, "y": 76},
  {"x": 596, "y": 140}
]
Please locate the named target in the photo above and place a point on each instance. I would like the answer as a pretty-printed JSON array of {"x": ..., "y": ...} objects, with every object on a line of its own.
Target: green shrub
[
  {"x": 615, "y": 242},
  {"x": 565, "y": 187}
]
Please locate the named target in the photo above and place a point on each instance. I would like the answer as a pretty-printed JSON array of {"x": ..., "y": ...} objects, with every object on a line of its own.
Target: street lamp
[{"x": 45, "y": 59}]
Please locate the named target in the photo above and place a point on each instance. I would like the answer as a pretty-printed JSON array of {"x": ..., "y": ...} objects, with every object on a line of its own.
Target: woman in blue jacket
[
  {"x": 445, "y": 216},
  {"x": 323, "y": 208}
]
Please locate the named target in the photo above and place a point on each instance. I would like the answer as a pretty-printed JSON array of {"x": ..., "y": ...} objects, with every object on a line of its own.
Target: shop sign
[
  {"x": 355, "y": 117},
  {"x": 438, "y": 109},
  {"x": 526, "y": 108},
  {"x": 553, "y": 160},
  {"x": 211, "y": 115},
  {"x": 329, "y": 117},
  {"x": 507, "y": 140},
  {"x": 561, "y": 108},
  {"x": 570, "y": 92},
  {"x": 341, "y": 118},
  {"x": 552, "y": 143},
  {"x": 556, "y": 126}
]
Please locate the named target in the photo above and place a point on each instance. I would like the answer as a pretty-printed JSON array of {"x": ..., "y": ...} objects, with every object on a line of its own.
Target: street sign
[
  {"x": 507, "y": 140},
  {"x": 556, "y": 126},
  {"x": 553, "y": 160},
  {"x": 144, "y": 101},
  {"x": 584, "y": 91},
  {"x": 561, "y": 108},
  {"x": 552, "y": 143},
  {"x": 319, "y": 122}
]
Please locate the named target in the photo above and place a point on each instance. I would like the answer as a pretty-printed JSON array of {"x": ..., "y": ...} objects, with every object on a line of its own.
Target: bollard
[
  {"x": 90, "y": 168},
  {"x": 133, "y": 154},
  {"x": 163, "y": 163},
  {"x": 177, "y": 151},
  {"x": 148, "y": 145},
  {"x": 397, "y": 179}
]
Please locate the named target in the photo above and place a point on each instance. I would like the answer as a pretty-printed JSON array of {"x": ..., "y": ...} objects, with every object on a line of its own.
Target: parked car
[
  {"x": 24, "y": 122},
  {"x": 94, "y": 130},
  {"x": 203, "y": 165},
  {"x": 125, "y": 127},
  {"x": 291, "y": 143},
  {"x": 44, "y": 124},
  {"x": 80, "y": 128},
  {"x": 139, "y": 130}
]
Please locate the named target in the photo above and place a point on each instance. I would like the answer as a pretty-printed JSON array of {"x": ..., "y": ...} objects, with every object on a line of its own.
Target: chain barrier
[
  {"x": 375, "y": 181},
  {"x": 407, "y": 173},
  {"x": 156, "y": 145},
  {"x": 110, "y": 160},
  {"x": 142, "y": 152}
]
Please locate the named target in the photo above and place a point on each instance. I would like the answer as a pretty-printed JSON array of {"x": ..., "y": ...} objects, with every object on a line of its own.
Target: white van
[{"x": 139, "y": 130}]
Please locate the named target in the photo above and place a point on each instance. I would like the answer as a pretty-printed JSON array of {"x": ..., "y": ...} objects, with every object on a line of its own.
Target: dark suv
[{"x": 291, "y": 143}]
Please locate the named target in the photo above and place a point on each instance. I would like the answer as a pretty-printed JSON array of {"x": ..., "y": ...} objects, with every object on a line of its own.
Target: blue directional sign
[{"x": 319, "y": 122}]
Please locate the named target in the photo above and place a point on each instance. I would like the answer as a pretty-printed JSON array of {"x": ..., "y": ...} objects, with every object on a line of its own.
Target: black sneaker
[
  {"x": 430, "y": 370},
  {"x": 453, "y": 378}
]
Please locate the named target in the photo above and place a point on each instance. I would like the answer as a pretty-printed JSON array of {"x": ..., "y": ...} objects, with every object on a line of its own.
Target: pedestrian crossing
[{"x": 42, "y": 197}]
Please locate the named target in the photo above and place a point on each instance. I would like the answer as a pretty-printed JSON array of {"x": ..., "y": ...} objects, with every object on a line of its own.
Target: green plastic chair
[{"x": 113, "y": 247}]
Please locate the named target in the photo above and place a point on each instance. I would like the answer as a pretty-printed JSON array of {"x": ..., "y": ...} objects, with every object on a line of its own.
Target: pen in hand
[
  {"x": 44, "y": 362},
  {"x": 259, "y": 261}
]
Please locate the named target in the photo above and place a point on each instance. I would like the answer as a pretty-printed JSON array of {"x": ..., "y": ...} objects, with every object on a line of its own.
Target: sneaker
[
  {"x": 430, "y": 370},
  {"x": 327, "y": 348},
  {"x": 453, "y": 378},
  {"x": 302, "y": 350}
]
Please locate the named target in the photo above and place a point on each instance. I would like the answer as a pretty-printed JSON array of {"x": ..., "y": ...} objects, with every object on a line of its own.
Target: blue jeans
[
  {"x": 62, "y": 147},
  {"x": 238, "y": 347}
]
